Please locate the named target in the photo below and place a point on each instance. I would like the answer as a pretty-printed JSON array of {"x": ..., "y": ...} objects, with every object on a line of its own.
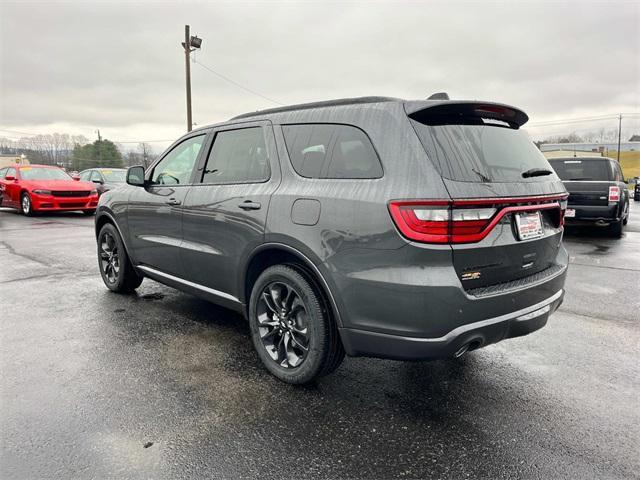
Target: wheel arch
[
  {"x": 271, "y": 254},
  {"x": 102, "y": 218}
]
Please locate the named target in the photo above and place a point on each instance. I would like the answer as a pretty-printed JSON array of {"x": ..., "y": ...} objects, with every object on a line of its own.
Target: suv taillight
[
  {"x": 460, "y": 221},
  {"x": 614, "y": 193}
]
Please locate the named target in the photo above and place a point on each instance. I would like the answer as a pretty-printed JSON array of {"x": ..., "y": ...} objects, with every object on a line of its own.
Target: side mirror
[
  {"x": 135, "y": 176},
  {"x": 9, "y": 177},
  {"x": 76, "y": 177},
  {"x": 99, "y": 182}
]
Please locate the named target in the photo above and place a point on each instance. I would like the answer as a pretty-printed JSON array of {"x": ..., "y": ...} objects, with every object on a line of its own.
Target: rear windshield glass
[
  {"x": 482, "y": 153},
  {"x": 35, "y": 173},
  {"x": 575, "y": 169}
]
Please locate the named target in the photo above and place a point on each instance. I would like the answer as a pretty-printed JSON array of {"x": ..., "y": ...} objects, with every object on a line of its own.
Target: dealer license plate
[
  {"x": 570, "y": 213},
  {"x": 529, "y": 225}
]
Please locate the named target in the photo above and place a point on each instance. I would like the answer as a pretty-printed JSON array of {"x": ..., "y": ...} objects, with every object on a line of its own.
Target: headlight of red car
[
  {"x": 42, "y": 192},
  {"x": 94, "y": 192}
]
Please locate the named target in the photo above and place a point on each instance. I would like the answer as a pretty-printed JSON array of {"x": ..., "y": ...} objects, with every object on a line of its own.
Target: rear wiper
[
  {"x": 536, "y": 172},
  {"x": 482, "y": 176}
]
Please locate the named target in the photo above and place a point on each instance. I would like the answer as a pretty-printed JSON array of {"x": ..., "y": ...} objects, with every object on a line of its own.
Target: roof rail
[{"x": 307, "y": 106}]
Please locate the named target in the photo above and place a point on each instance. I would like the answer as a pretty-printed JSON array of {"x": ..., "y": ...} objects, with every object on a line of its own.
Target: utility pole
[
  {"x": 619, "y": 134},
  {"x": 187, "y": 66},
  {"x": 196, "y": 43},
  {"x": 99, "y": 148}
]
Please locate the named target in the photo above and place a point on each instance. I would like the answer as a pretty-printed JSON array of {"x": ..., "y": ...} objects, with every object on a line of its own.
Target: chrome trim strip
[
  {"x": 211, "y": 291},
  {"x": 176, "y": 242},
  {"x": 456, "y": 332},
  {"x": 162, "y": 239}
]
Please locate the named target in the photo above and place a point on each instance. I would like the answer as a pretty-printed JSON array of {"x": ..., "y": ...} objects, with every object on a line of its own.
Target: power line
[
  {"x": 233, "y": 82},
  {"x": 582, "y": 119}
]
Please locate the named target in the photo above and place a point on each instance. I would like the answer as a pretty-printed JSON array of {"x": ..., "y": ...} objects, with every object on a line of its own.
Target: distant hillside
[{"x": 630, "y": 162}]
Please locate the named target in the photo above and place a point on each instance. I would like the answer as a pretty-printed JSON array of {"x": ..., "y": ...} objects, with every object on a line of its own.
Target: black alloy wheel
[{"x": 292, "y": 326}]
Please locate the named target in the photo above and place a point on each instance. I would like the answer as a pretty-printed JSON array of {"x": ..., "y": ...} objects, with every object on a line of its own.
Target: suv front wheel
[
  {"x": 115, "y": 267},
  {"x": 292, "y": 330}
]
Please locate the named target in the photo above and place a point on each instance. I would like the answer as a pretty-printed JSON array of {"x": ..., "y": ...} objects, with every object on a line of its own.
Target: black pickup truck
[{"x": 598, "y": 194}]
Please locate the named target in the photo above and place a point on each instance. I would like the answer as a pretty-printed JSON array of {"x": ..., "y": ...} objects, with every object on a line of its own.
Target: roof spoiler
[
  {"x": 439, "y": 96},
  {"x": 446, "y": 112}
]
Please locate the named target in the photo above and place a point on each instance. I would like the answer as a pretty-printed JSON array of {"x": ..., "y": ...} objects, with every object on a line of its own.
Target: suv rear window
[
  {"x": 576, "y": 169},
  {"x": 481, "y": 152},
  {"x": 331, "y": 151}
]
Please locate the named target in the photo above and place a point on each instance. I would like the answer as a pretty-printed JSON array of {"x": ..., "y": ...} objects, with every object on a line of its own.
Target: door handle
[
  {"x": 173, "y": 201},
  {"x": 249, "y": 205}
]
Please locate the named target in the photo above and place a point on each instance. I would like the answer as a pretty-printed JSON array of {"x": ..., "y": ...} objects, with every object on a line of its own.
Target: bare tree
[
  {"x": 146, "y": 152},
  {"x": 51, "y": 149}
]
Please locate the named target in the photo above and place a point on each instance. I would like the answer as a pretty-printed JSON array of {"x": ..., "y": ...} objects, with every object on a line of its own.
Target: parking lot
[{"x": 164, "y": 385}]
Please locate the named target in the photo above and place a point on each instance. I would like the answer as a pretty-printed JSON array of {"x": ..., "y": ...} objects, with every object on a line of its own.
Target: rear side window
[
  {"x": 585, "y": 170},
  {"x": 238, "y": 156},
  {"x": 481, "y": 152},
  {"x": 331, "y": 151}
]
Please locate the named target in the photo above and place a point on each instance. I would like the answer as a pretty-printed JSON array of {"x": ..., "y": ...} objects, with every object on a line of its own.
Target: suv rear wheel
[
  {"x": 115, "y": 267},
  {"x": 616, "y": 228},
  {"x": 294, "y": 335}
]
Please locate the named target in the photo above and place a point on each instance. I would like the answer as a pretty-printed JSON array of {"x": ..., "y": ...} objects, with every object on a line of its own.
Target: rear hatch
[
  {"x": 506, "y": 203},
  {"x": 586, "y": 179}
]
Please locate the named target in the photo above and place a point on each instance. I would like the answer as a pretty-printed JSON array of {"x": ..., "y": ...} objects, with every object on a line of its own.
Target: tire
[
  {"x": 616, "y": 229},
  {"x": 297, "y": 343},
  {"x": 116, "y": 269},
  {"x": 26, "y": 207},
  {"x": 89, "y": 212}
]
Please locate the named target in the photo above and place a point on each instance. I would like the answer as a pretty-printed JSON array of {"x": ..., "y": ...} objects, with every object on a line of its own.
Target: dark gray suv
[{"x": 373, "y": 226}]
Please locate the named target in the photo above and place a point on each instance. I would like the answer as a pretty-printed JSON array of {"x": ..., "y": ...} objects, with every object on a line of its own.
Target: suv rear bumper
[
  {"x": 457, "y": 341},
  {"x": 588, "y": 214}
]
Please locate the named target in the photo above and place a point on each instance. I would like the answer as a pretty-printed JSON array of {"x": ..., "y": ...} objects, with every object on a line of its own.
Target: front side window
[
  {"x": 11, "y": 172},
  {"x": 331, "y": 151},
  {"x": 238, "y": 156},
  {"x": 177, "y": 166},
  {"x": 3, "y": 171},
  {"x": 40, "y": 173}
]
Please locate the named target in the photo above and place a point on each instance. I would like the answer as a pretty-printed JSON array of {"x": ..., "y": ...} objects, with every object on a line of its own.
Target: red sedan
[{"x": 41, "y": 188}]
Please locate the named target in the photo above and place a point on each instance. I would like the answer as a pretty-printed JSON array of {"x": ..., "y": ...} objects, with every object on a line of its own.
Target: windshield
[
  {"x": 38, "y": 173},
  {"x": 482, "y": 153},
  {"x": 586, "y": 170},
  {"x": 114, "y": 176}
]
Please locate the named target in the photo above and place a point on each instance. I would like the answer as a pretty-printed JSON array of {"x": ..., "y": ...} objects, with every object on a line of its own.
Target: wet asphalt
[{"x": 164, "y": 385}]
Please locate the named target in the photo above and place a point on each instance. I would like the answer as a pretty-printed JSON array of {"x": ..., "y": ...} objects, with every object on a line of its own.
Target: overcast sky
[{"x": 77, "y": 66}]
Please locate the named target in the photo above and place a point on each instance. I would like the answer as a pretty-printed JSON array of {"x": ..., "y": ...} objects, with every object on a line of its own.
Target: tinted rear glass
[
  {"x": 331, "y": 151},
  {"x": 576, "y": 169},
  {"x": 482, "y": 152}
]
